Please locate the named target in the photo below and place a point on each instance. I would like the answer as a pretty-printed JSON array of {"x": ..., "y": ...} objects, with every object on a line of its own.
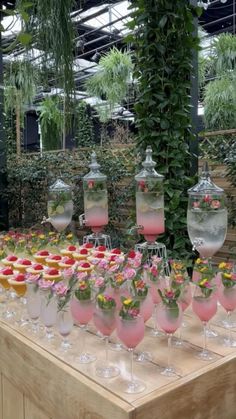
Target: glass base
[
  {"x": 132, "y": 387},
  {"x": 227, "y": 324},
  {"x": 205, "y": 355},
  {"x": 229, "y": 343},
  {"x": 170, "y": 372},
  {"x": 8, "y": 315},
  {"x": 116, "y": 347},
  {"x": 86, "y": 358},
  {"x": 210, "y": 333},
  {"x": 177, "y": 343},
  {"x": 156, "y": 333},
  {"x": 65, "y": 346},
  {"x": 143, "y": 357},
  {"x": 107, "y": 371}
]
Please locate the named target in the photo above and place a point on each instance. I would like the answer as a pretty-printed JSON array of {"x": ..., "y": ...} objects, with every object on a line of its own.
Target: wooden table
[{"x": 37, "y": 384}]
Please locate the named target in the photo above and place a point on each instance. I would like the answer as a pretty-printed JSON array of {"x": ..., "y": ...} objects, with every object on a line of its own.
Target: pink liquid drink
[
  {"x": 150, "y": 214},
  {"x": 169, "y": 319},
  {"x": 227, "y": 297},
  {"x": 153, "y": 290},
  {"x": 130, "y": 332},
  {"x": 146, "y": 307},
  {"x": 105, "y": 320},
  {"x": 96, "y": 210},
  {"x": 185, "y": 297},
  {"x": 82, "y": 310},
  {"x": 196, "y": 276},
  {"x": 204, "y": 308}
]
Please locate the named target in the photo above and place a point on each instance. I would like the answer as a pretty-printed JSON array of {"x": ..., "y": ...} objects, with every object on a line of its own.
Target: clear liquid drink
[
  {"x": 207, "y": 216},
  {"x": 149, "y": 200}
]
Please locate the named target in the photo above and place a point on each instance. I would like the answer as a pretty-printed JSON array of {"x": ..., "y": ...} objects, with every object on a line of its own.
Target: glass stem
[
  {"x": 229, "y": 326},
  {"x": 83, "y": 338},
  {"x": 106, "y": 348},
  {"x": 131, "y": 365},
  {"x": 169, "y": 349},
  {"x": 205, "y": 336},
  {"x": 155, "y": 318}
]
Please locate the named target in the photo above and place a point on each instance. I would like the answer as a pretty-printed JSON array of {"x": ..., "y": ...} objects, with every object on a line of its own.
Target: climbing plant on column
[{"x": 163, "y": 41}]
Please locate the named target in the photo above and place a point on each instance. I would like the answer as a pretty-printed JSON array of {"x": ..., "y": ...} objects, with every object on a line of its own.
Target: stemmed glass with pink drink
[
  {"x": 204, "y": 305},
  {"x": 155, "y": 279},
  {"x": 104, "y": 318},
  {"x": 130, "y": 330},
  {"x": 227, "y": 297},
  {"x": 82, "y": 308},
  {"x": 140, "y": 292},
  {"x": 179, "y": 279},
  {"x": 169, "y": 317}
]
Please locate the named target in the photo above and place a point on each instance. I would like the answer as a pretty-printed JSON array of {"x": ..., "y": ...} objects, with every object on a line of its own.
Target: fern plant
[
  {"x": 51, "y": 123},
  {"x": 111, "y": 81}
]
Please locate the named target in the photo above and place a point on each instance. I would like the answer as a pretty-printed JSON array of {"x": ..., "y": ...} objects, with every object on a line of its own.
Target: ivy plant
[{"x": 163, "y": 40}]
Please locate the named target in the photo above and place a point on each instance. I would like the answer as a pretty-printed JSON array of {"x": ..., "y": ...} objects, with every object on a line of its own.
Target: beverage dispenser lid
[
  {"x": 95, "y": 169},
  {"x": 205, "y": 184},
  {"x": 148, "y": 166},
  {"x": 59, "y": 186}
]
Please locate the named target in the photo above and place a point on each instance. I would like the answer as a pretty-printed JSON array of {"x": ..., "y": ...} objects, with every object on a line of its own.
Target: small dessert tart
[
  {"x": 66, "y": 263},
  {"x": 100, "y": 249},
  {"x": 9, "y": 260},
  {"x": 88, "y": 246},
  {"x": 82, "y": 254},
  {"x": 35, "y": 269},
  {"x": 52, "y": 274},
  {"x": 5, "y": 275},
  {"x": 22, "y": 264},
  {"x": 53, "y": 261},
  {"x": 85, "y": 267},
  {"x": 17, "y": 282},
  {"x": 96, "y": 256},
  {"x": 69, "y": 250},
  {"x": 41, "y": 256}
]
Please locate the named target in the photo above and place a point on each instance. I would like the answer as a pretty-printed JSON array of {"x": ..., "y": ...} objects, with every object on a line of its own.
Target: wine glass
[
  {"x": 204, "y": 305},
  {"x": 185, "y": 299},
  {"x": 169, "y": 318},
  {"x": 227, "y": 298},
  {"x": 105, "y": 322},
  {"x": 65, "y": 325},
  {"x": 161, "y": 284},
  {"x": 33, "y": 305},
  {"x": 146, "y": 310},
  {"x": 131, "y": 332},
  {"x": 17, "y": 282},
  {"x": 48, "y": 312},
  {"x": 82, "y": 312}
]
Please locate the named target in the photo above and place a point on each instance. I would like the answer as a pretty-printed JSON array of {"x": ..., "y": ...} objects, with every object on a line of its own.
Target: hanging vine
[
  {"x": 163, "y": 41},
  {"x": 53, "y": 28}
]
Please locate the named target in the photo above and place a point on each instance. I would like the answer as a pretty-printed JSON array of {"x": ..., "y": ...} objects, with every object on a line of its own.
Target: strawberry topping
[
  {"x": 116, "y": 251},
  {"x": 99, "y": 255},
  {"x": 85, "y": 265},
  {"x": 7, "y": 271},
  {"x": 69, "y": 261},
  {"x": 43, "y": 253},
  {"x": 19, "y": 278},
  {"x": 101, "y": 248},
  {"x": 37, "y": 267},
  {"x": 71, "y": 248},
  {"x": 11, "y": 258},
  {"x": 56, "y": 257},
  {"x": 25, "y": 262},
  {"x": 83, "y": 252},
  {"x": 88, "y": 245},
  {"x": 53, "y": 272}
]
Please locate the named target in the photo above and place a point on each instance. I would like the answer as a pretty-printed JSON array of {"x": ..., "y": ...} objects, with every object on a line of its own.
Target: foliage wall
[
  {"x": 29, "y": 177},
  {"x": 163, "y": 40}
]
